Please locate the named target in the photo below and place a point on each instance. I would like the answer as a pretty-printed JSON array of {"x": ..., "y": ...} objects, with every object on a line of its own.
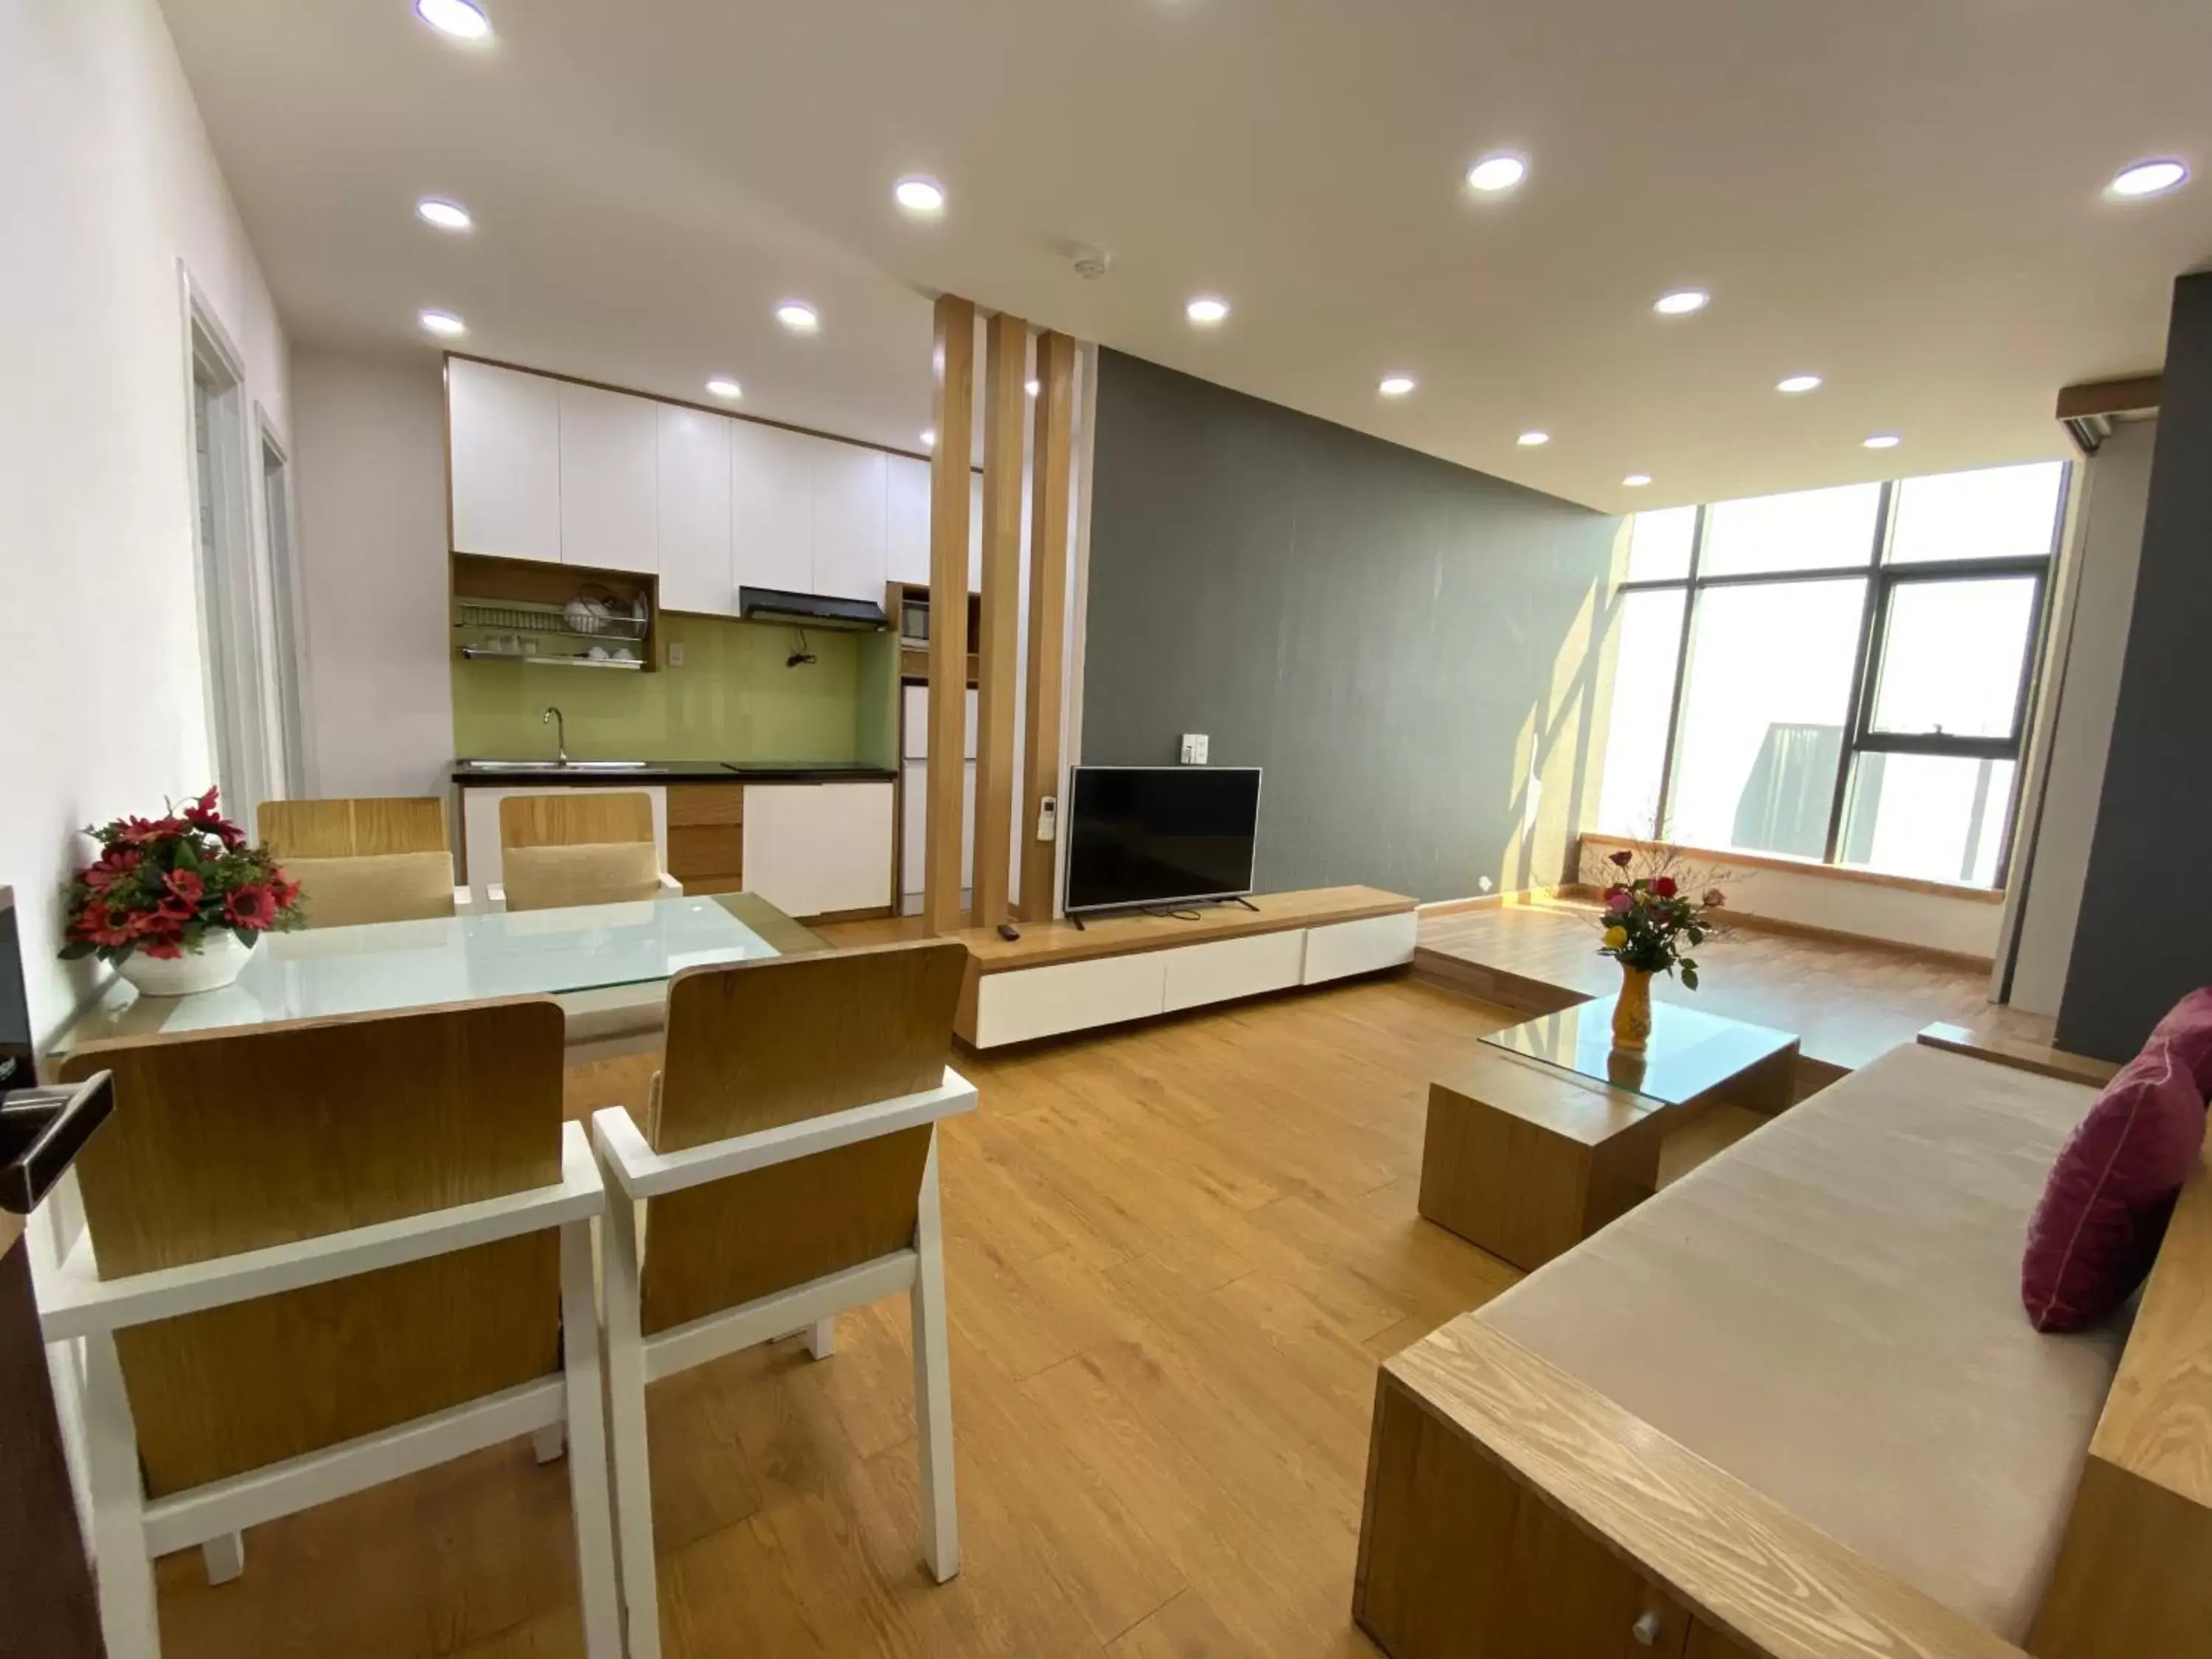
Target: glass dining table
[{"x": 608, "y": 964}]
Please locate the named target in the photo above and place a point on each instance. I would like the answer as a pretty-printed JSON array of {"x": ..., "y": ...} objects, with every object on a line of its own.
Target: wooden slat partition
[
  {"x": 345, "y": 827},
  {"x": 1051, "y": 452},
  {"x": 998, "y": 667},
  {"x": 954, "y": 410},
  {"x": 232, "y": 1141},
  {"x": 2134, "y": 1573},
  {"x": 572, "y": 817},
  {"x": 756, "y": 1044}
]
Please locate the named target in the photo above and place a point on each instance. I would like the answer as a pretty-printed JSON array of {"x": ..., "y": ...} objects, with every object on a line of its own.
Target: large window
[{"x": 1839, "y": 675}]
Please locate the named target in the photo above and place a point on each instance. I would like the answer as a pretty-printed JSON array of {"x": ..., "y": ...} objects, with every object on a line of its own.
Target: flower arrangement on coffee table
[
  {"x": 165, "y": 891},
  {"x": 1651, "y": 925}
]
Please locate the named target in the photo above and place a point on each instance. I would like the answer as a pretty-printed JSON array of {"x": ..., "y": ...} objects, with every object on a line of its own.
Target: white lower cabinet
[
  {"x": 1227, "y": 968},
  {"x": 1069, "y": 996},
  {"x": 1345, "y": 948},
  {"x": 815, "y": 848}
]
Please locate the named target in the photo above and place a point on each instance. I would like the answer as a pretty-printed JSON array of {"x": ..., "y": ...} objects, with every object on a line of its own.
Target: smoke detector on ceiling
[{"x": 1091, "y": 262}]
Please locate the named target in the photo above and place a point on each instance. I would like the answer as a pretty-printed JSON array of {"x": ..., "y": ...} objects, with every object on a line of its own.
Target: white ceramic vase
[{"x": 220, "y": 959}]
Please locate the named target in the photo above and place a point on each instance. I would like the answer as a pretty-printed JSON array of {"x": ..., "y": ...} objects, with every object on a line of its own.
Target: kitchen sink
[{"x": 554, "y": 766}]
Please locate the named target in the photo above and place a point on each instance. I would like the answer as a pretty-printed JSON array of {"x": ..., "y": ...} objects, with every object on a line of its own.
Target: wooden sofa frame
[{"x": 1512, "y": 1509}]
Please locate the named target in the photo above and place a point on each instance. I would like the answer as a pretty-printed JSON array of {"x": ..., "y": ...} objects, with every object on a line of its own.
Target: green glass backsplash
[{"x": 733, "y": 699}]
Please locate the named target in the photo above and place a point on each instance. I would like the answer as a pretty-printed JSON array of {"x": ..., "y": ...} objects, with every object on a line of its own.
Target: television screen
[{"x": 1160, "y": 834}]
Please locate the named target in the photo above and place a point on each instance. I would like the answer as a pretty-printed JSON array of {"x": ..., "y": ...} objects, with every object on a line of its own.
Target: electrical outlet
[
  {"x": 1193, "y": 748},
  {"x": 676, "y": 653}
]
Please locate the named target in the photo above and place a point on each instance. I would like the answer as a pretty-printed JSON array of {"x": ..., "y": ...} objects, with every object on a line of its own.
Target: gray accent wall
[
  {"x": 1400, "y": 642},
  {"x": 2139, "y": 944}
]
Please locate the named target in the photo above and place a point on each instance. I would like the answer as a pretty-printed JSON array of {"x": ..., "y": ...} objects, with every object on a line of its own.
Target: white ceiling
[{"x": 1903, "y": 196}]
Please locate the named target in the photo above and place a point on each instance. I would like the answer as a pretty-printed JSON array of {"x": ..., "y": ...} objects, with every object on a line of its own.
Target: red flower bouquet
[{"x": 161, "y": 887}]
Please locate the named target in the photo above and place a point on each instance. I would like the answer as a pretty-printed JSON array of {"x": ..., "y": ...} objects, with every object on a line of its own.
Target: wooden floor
[
  {"x": 1846, "y": 1002},
  {"x": 1174, "y": 1254}
]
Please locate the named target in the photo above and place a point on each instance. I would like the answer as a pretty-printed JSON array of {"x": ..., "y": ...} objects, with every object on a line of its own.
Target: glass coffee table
[{"x": 1547, "y": 1132}]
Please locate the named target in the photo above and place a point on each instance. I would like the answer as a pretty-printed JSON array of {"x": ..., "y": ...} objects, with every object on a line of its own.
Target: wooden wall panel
[
  {"x": 997, "y": 669},
  {"x": 949, "y": 475},
  {"x": 1047, "y": 619}
]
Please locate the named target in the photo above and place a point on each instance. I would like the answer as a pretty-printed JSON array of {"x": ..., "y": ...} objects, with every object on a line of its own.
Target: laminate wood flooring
[
  {"x": 1174, "y": 1253},
  {"x": 1847, "y": 1001}
]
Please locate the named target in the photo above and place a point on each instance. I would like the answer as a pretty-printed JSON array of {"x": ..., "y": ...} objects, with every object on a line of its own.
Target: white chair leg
[
  {"x": 822, "y": 1337},
  {"x": 933, "y": 1386},
  {"x": 127, "y": 1618},
  {"x": 549, "y": 1441},
  {"x": 225, "y": 1557},
  {"x": 588, "y": 1497},
  {"x": 626, "y": 1415}
]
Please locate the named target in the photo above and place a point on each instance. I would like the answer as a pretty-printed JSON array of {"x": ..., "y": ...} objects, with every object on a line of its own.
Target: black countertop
[{"x": 681, "y": 772}]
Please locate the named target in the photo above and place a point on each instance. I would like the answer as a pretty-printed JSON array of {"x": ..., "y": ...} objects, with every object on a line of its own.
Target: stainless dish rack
[{"x": 513, "y": 630}]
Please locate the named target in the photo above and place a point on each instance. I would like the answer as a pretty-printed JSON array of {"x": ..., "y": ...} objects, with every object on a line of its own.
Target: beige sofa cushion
[
  {"x": 1830, "y": 1311},
  {"x": 592, "y": 872},
  {"x": 376, "y": 887}
]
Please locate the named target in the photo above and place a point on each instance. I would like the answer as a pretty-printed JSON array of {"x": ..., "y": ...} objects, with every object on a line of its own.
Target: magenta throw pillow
[
  {"x": 2187, "y": 1030},
  {"x": 2097, "y": 1230}
]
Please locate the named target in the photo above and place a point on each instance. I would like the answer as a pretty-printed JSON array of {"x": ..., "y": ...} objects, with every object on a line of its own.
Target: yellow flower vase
[{"x": 1632, "y": 1012}]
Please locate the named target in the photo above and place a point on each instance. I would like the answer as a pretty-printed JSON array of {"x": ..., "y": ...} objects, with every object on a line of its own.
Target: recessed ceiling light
[
  {"x": 1531, "y": 440},
  {"x": 920, "y": 196},
  {"x": 444, "y": 323},
  {"x": 723, "y": 386},
  {"x": 1799, "y": 383},
  {"x": 1682, "y": 301},
  {"x": 1206, "y": 312},
  {"x": 1636, "y": 480},
  {"x": 1395, "y": 385},
  {"x": 447, "y": 215},
  {"x": 2147, "y": 179},
  {"x": 459, "y": 18},
  {"x": 798, "y": 316},
  {"x": 1033, "y": 386},
  {"x": 929, "y": 439},
  {"x": 1493, "y": 173},
  {"x": 1884, "y": 440}
]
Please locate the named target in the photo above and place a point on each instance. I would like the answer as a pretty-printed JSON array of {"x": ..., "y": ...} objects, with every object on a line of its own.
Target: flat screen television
[{"x": 1159, "y": 834}]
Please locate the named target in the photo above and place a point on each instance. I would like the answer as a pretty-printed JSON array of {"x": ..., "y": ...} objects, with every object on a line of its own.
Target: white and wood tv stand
[{"x": 1058, "y": 977}]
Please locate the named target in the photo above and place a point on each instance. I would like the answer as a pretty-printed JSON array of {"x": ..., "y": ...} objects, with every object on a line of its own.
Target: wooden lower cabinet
[
  {"x": 1459, "y": 1560},
  {"x": 707, "y": 836},
  {"x": 1706, "y": 1643}
]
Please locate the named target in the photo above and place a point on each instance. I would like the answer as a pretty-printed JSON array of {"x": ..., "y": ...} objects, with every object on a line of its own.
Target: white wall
[
  {"x": 110, "y": 185},
  {"x": 369, "y": 470},
  {"x": 2108, "y": 543}
]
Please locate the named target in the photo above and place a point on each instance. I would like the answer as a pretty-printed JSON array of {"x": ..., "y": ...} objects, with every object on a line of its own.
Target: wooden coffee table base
[{"x": 1527, "y": 1160}]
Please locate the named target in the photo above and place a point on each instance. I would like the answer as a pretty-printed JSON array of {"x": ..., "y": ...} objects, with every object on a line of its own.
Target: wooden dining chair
[
  {"x": 365, "y": 858},
  {"x": 317, "y": 1257},
  {"x": 579, "y": 846},
  {"x": 787, "y": 1171}
]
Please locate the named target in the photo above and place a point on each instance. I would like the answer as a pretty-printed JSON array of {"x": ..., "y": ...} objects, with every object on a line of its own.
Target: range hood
[{"x": 774, "y": 605}]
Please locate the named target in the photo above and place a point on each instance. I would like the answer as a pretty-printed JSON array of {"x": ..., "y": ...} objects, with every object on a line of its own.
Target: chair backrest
[
  {"x": 755, "y": 1044},
  {"x": 378, "y": 887},
  {"x": 353, "y": 827},
  {"x": 573, "y": 818},
  {"x": 257, "y": 1138},
  {"x": 603, "y": 872}
]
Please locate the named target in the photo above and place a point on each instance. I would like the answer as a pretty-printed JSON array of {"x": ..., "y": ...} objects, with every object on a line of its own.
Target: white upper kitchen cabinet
[
  {"x": 852, "y": 511},
  {"x": 694, "y": 512},
  {"x": 909, "y": 520},
  {"x": 771, "y": 507},
  {"x": 507, "y": 461},
  {"x": 610, "y": 479}
]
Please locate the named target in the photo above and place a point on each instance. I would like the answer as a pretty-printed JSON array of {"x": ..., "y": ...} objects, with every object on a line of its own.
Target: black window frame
[{"x": 1883, "y": 580}]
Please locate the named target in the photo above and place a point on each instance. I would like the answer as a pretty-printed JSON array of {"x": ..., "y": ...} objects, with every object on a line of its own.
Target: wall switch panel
[
  {"x": 1194, "y": 749},
  {"x": 676, "y": 653}
]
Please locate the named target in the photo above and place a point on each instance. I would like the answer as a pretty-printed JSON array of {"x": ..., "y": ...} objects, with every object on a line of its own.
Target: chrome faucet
[{"x": 560, "y": 731}]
